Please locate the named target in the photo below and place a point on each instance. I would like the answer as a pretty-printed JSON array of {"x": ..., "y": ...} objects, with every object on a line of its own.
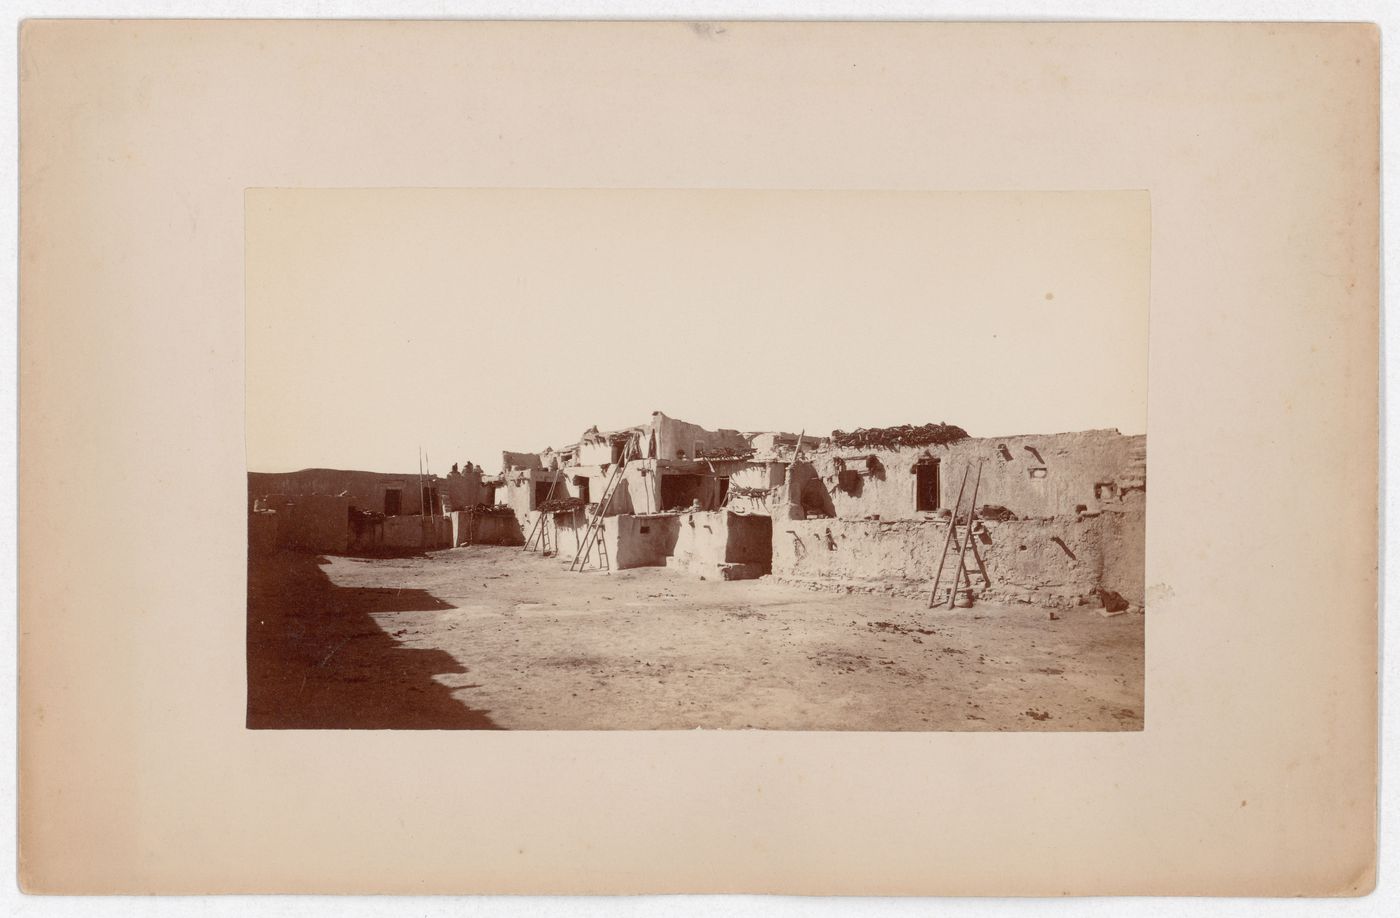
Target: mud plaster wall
[
  {"x": 1044, "y": 476},
  {"x": 414, "y": 532},
  {"x": 484, "y": 529},
  {"x": 465, "y": 490},
  {"x": 629, "y": 546},
  {"x": 1038, "y": 561},
  {"x": 511, "y": 461},
  {"x": 768, "y": 475},
  {"x": 519, "y": 489},
  {"x": 365, "y": 489},
  {"x": 673, "y": 436},
  {"x": 313, "y": 522}
]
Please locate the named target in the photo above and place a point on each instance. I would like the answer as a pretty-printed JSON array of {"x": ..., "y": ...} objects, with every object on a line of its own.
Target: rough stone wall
[{"x": 1124, "y": 531}]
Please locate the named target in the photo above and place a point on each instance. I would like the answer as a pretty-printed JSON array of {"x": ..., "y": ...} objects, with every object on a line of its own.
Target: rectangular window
[
  {"x": 926, "y": 489},
  {"x": 393, "y": 501},
  {"x": 541, "y": 493},
  {"x": 581, "y": 483}
]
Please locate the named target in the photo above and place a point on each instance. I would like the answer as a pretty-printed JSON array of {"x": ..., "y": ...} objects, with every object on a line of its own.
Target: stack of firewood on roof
[{"x": 895, "y": 437}]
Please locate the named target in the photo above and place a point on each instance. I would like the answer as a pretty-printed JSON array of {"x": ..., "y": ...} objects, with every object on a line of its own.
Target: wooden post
[
  {"x": 948, "y": 540},
  {"x": 967, "y": 540}
]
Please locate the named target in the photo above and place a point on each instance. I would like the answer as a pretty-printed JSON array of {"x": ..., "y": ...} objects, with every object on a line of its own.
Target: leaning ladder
[
  {"x": 541, "y": 528},
  {"x": 593, "y": 532},
  {"x": 960, "y": 544}
]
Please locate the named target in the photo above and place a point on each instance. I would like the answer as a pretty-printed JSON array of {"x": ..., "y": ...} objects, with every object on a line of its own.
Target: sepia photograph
[
  {"x": 650, "y": 460},
  {"x": 657, "y": 458}
]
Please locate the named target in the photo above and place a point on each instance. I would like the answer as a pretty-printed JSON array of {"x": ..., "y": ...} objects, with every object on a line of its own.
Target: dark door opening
[
  {"x": 393, "y": 501},
  {"x": 541, "y": 493},
  {"x": 678, "y": 492},
  {"x": 926, "y": 490},
  {"x": 723, "y": 489},
  {"x": 581, "y": 483}
]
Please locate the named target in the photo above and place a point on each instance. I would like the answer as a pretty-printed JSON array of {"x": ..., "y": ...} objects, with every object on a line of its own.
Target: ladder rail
[
  {"x": 595, "y": 522},
  {"x": 961, "y": 570},
  {"x": 539, "y": 520},
  {"x": 952, "y": 526},
  {"x": 594, "y": 528}
]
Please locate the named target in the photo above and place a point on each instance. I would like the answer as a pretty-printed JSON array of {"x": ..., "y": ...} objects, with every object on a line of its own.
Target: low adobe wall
[
  {"x": 403, "y": 533},
  {"x": 723, "y": 545},
  {"x": 312, "y": 522},
  {"x": 470, "y": 528},
  {"x": 645, "y": 540},
  {"x": 1045, "y": 562}
]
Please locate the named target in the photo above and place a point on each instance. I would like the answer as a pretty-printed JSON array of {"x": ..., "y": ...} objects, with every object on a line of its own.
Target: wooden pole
[
  {"x": 959, "y": 571},
  {"x": 948, "y": 540}
]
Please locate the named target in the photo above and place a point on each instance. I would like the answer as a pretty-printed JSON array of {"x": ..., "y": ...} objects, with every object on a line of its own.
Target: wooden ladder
[
  {"x": 961, "y": 544},
  {"x": 592, "y": 533},
  {"x": 541, "y": 528}
]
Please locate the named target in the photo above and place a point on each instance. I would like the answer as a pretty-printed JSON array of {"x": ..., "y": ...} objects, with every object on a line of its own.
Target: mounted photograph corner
[{"x": 469, "y": 506}]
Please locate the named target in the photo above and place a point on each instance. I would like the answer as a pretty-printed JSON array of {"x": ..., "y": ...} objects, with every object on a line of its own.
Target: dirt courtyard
[{"x": 487, "y": 637}]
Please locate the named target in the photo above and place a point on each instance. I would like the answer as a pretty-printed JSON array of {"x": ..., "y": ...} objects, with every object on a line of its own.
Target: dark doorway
[
  {"x": 723, "y": 489},
  {"x": 581, "y": 483},
  {"x": 926, "y": 489},
  {"x": 541, "y": 492},
  {"x": 393, "y": 501},
  {"x": 678, "y": 492}
]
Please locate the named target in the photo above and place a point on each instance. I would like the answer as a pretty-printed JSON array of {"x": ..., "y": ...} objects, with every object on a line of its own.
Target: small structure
[{"x": 335, "y": 511}]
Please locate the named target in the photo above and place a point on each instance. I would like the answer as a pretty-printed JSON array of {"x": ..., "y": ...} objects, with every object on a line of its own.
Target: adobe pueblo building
[
  {"x": 335, "y": 511},
  {"x": 1055, "y": 520}
]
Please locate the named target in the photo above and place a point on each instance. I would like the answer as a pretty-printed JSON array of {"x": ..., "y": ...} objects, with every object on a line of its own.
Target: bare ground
[{"x": 489, "y": 637}]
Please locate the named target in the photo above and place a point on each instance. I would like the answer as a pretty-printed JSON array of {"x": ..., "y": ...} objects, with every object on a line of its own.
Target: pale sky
[{"x": 470, "y": 321}]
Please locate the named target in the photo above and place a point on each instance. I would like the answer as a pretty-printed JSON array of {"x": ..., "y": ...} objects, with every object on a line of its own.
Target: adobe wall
[
  {"x": 422, "y": 532},
  {"x": 463, "y": 490},
  {"x": 722, "y": 545},
  {"x": 364, "y": 490},
  {"x": 511, "y": 461},
  {"x": 1033, "y": 476},
  {"x": 484, "y": 528},
  {"x": 641, "y": 541},
  {"x": 313, "y": 522},
  {"x": 1045, "y": 562},
  {"x": 674, "y": 437}
]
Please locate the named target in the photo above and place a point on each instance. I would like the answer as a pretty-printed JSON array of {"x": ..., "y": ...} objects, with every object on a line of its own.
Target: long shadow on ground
[{"x": 317, "y": 660}]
